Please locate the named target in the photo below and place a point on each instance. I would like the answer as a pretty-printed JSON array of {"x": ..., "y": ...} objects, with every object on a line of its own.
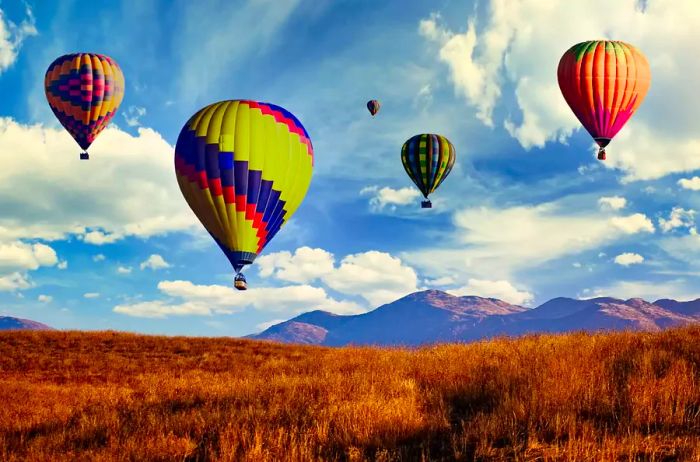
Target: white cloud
[
  {"x": 612, "y": 203},
  {"x": 634, "y": 223},
  {"x": 63, "y": 264},
  {"x": 133, "y": 115},
  {"x": 99, "y": 238},
  {"x": 124, "y": 269},
  {"x": 45, "y": 298},
  {"x": 52, "y": 196},
  {"x": 91, "y": 295},
  {"x": 502, "y": 290},
  {"x": 188, "y": 299},
  {"x": 306, "y": 265},
  {"x": 154, "y": 262},
  {"x": 98, "y": 257},
  {"x": 376, "y": 276},
  {"x": 690, "y": 183},
  {"x": 506, "y": 50},
  {"x": 627, "y": 259},
  {"x": 576, "y": 265},
  {"x": 389, "y": 197},
  {"x": 12, "y": 36},
  {"x": 491, "y": 243},
  {"x": 678, "y": 218},
  {"x": 21, "y": 256},
  {"x": 14, "y": 281}
]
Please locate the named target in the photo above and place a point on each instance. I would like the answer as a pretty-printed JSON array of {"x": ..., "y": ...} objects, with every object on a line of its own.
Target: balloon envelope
[
  {"x": 373, "y": 106},
  {"x": 428, "y": 160},
  {"x": 244, "y": 168},
  {"x": 84, "y": 91},
  {"x": 604, "y": 82}
]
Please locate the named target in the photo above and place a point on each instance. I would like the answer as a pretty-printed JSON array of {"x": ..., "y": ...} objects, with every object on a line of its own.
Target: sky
[{"x": 527, "y": 214}]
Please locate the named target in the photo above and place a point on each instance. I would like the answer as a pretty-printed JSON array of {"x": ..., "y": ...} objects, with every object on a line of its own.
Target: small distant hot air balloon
[
  {"x": 84, "y": 91},
  {"x": 603, "y": 82},
  {"x": 428, "y": 159},
  {"x": 244, "y": 168},
  {"x": 373, "y": 106}
]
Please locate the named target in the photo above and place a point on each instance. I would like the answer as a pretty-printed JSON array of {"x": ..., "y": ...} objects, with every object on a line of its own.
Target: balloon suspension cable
[
  {"x": 601, "y": 154},
  {"x": 84, "y": 156}
]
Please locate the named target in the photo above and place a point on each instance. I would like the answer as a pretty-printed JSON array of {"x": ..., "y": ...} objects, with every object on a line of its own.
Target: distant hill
[
  {"x": 10, "y": 323},
  {"x": 434, "y": 316}
]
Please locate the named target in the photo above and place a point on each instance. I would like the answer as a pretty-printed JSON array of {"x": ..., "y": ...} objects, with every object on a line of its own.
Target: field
[{"x": 114, "y": 396}]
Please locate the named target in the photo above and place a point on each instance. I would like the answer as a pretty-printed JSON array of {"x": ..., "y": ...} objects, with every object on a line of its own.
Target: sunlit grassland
[{"x": 114, "y": 396}]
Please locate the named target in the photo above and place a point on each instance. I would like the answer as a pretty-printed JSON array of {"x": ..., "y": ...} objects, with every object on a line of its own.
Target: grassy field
[{"x": 114, "y": 396}]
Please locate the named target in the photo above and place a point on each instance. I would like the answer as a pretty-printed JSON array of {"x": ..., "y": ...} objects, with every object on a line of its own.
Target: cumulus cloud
[
  {"x": 12, "y": 36},
  {"x": 91, "y": 295},
  {"x": 612, "y": 203},
  {"x": 635, "y": 223},
  {"x": 45, "y": 298},
  {"x": 690, "y": 183},
  {"x": 504, "y": 50},
  {"x": 124, "y": 269},
  {"x": 627, "y": 259},
  {"x": 305, "y": 265},
  {"x": 63, "y": 264},
  {"x": 50, "y": 196},
  {"x": 98, "y": 257},
  {"x": 154, "y": 262},
  {"x": 389, "y": 197},
  {"x": 678, "y": 218},
  {"x": 502, "y": 290},
  {"x": 188, "y": 299},
  {"x": 22, "y": 256},
  {"x": 378, "y": 277}
]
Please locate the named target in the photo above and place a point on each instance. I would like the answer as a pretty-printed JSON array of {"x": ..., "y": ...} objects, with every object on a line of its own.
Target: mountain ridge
[
  {"x": 12, "y": 323},
  {"x": 433, "y": 316}
]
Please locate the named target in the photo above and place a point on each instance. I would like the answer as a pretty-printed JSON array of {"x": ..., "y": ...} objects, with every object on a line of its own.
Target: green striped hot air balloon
[{"x": 428, "y": 159}]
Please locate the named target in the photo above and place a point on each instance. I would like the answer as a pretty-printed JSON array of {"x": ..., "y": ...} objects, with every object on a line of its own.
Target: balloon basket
[
  {"x": 426, "y": 205},
  {"x": 240, "y": 283},
  {"x": 84, "y": 156},
  {"x": 601, "y": 154}
]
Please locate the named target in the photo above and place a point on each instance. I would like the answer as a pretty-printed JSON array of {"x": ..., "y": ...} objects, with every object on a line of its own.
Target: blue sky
[{"x": 527, "y": 214}]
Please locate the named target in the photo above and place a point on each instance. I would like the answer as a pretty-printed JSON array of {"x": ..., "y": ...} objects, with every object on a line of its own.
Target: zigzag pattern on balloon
[
  {"x": 84, "y": 91},
  {"x": 244, "y": 168}
]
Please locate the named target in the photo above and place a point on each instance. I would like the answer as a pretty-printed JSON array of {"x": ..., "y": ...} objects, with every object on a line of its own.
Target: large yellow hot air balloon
[
  {"x": 244, "y": 168},
  {"x": 84, "y": 91}
]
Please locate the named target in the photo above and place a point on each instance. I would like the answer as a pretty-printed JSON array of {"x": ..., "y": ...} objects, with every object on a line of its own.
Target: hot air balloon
[
  {"x": 373, "y": 106},
  {"x": 244, "y": 168},
  {"x": 428, "y": 159},
  {"x": 84, "y": 91},
  {"x": 603, "y": 82}
]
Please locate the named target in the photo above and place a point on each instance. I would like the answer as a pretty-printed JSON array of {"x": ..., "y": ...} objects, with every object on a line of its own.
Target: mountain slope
[
  {"x": 434, "y": 316},
  {"x": 10, "y": 323}
]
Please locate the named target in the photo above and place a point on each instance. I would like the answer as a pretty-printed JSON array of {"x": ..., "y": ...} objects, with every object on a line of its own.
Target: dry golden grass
[{"x": 113, "y": 396}]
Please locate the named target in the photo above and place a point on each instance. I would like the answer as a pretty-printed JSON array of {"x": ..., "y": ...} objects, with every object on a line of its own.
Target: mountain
[
  {"x": 691, "y": 308},
  {"x": 434, "y": 316},
  {"x": 9, "y": 323}
]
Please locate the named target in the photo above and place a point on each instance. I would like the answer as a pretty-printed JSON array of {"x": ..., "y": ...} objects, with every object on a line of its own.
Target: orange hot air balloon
[{"x": 603, "y": 82}]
